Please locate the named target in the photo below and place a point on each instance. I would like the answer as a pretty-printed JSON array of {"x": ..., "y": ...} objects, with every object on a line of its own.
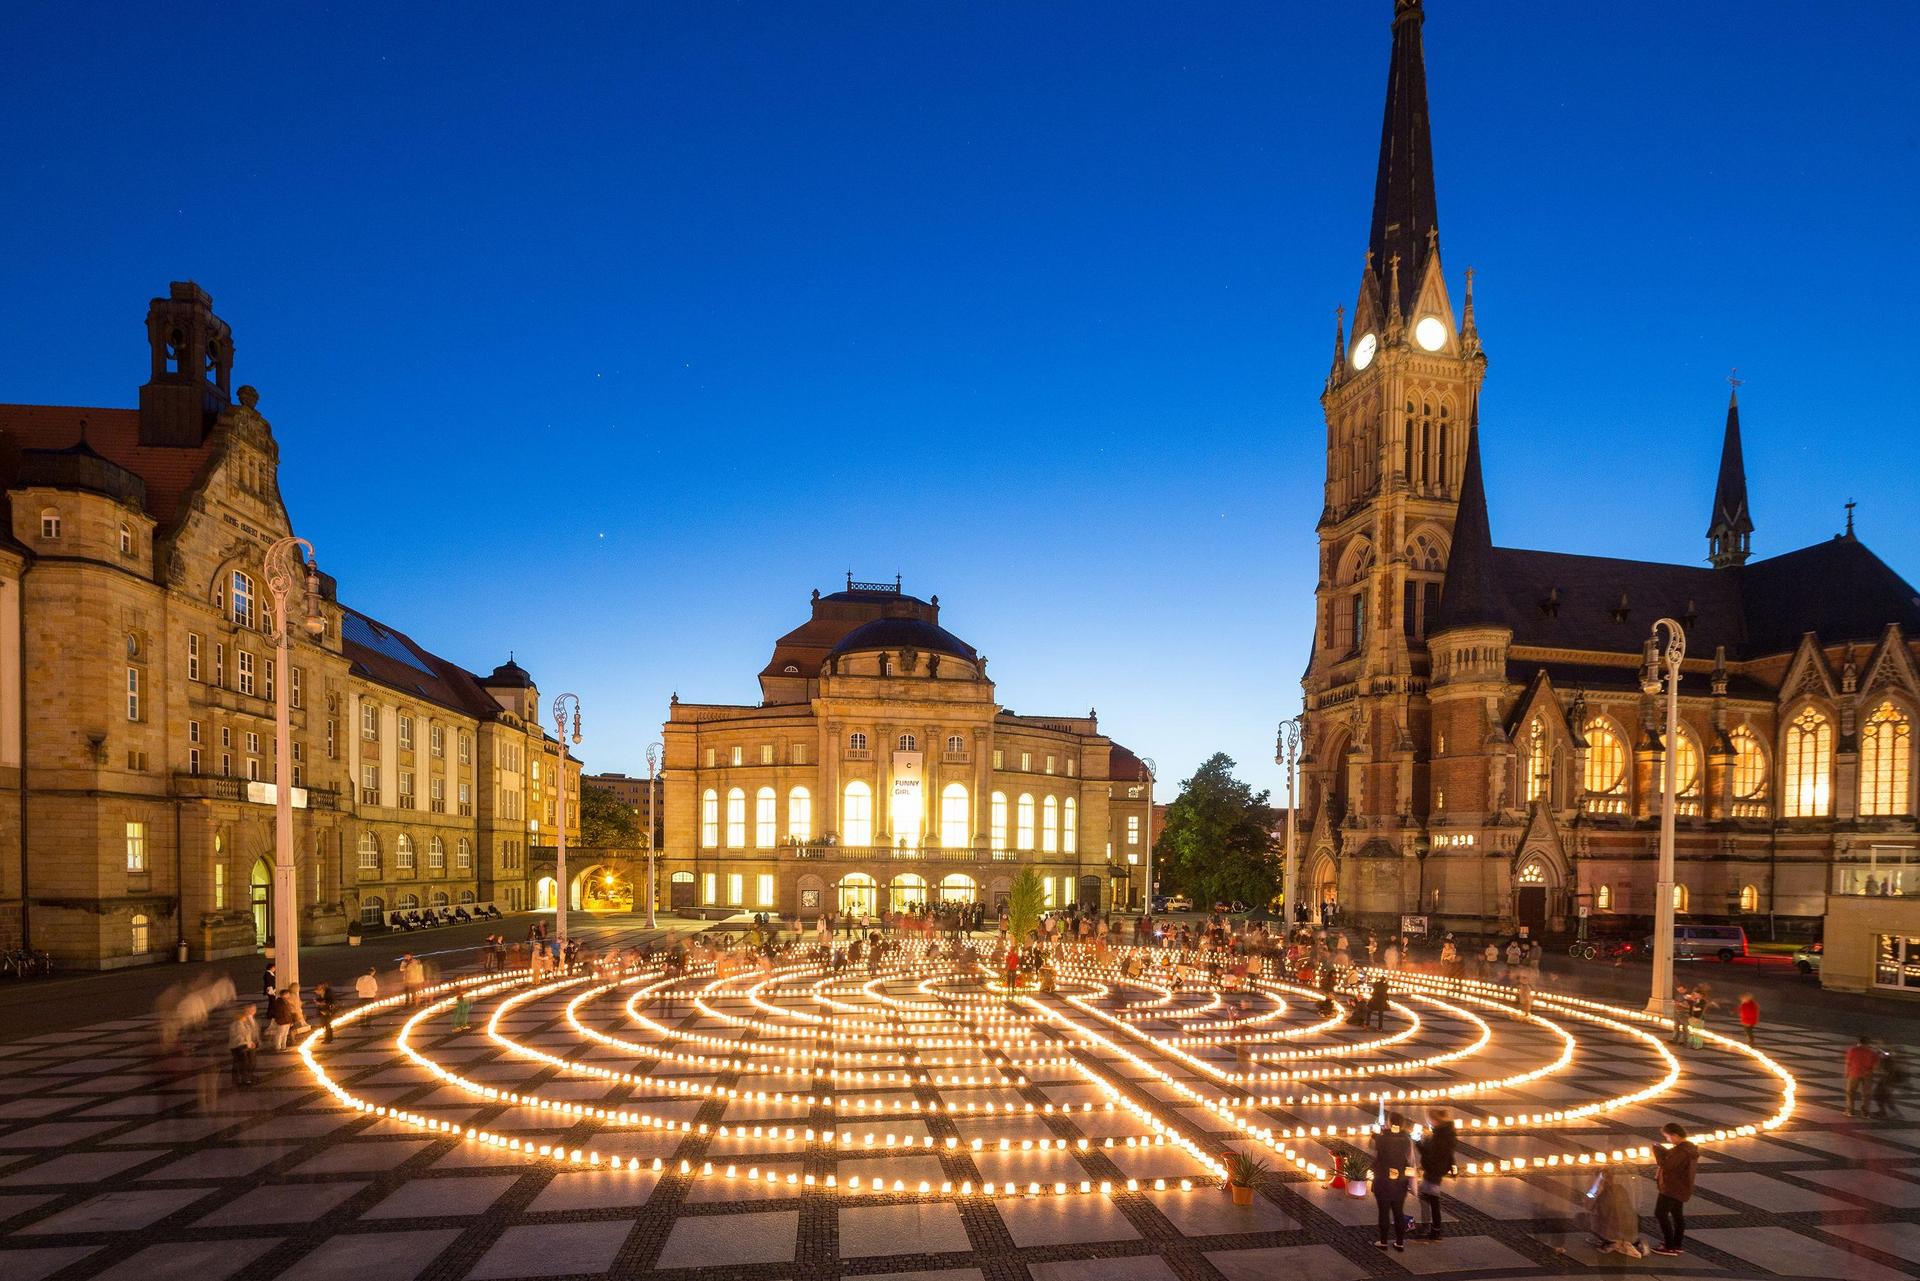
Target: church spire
[
  {"x": 1730, "y": 532},
  {"x": 1468, "y": 597},
  {"x": 1404, "y": 217}
]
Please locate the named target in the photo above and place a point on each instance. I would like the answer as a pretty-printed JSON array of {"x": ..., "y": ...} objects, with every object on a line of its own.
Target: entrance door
[
  {"x": 1090, "y": 892},
  {"x": 260, "y": 886},
  {"x": 680, "y": 891},
  {"x": 1532, "y": 909}
]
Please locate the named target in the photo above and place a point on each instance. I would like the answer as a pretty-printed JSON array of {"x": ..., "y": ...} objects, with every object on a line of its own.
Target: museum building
[{"x": 878, "y": 772}]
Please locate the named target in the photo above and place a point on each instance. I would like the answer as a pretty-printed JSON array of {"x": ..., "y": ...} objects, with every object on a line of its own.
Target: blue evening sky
[{"x": 604, "y": 333}]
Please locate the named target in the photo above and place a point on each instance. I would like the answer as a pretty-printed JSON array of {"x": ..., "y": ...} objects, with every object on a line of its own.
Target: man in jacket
[
  {"x": 1678, "y": 1161},
  {"x": 1436, "y": 1163}
]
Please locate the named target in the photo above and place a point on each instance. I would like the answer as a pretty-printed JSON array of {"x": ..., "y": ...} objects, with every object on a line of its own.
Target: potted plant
[
  {"x": 353, "y": 933},
  {"x": 1358, "y": 1174},
  {"x": 1243, "y": 1171}
]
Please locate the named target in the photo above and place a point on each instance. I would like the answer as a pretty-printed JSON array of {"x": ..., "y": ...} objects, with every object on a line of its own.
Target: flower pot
[
  {"x": 1242, "y": 1193},
  {"x": 353, "y": 940},
  {"x": 1357, "y": 1188}
]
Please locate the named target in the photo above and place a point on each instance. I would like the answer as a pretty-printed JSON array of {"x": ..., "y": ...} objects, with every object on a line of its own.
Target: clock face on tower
[
  {"x": 1430, "y": 333},
  {"x": 1363, "y": 348}
]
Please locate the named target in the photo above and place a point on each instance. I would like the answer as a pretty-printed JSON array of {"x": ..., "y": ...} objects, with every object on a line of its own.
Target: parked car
[
  {"x": 1693, "y": 941},
  {"x": 1227, "y": 907},
  {"x": 1175, "y": 903},
  {"x": 1807, "y": 959}
]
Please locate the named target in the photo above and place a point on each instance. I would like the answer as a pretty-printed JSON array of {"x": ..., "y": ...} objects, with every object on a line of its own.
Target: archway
[
  {"x": 958, "y": 888},
  {"x": 545, "y": 894},
  {"x": 909, "y": 890},
  {"x": 1532, "y": 893},
  {"x": 1322, "y": 885},
  {"x": 858, "y": 895},
  {"x": 260, "y": 894},
  {"x": 601, "y": 888}
]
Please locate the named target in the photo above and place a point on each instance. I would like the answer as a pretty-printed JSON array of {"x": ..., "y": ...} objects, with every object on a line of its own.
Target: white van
[{"x": 1694, "y": 941}]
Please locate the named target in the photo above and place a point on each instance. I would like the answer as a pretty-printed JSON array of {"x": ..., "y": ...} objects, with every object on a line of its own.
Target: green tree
[
  {"x": 1217, "y": 842},
  {"x": 1026, "y": 899},
  {"x": 605, "y": 822}
]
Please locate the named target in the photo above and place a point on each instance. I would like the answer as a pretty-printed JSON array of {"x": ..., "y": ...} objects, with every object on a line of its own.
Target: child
[
  {"x": 1749, "y": 1015},
  {"x": 462, "y": 1012}
]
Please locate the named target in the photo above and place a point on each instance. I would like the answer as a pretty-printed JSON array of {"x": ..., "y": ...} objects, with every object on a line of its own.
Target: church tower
[
  {"x": 192, "y": 367},
  {"x": 1398, "y": 401},
  {"x": 1730, "y": 531}
]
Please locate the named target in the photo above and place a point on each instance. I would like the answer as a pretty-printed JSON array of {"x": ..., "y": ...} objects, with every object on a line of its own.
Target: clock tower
[{"x": 1399, "y": 401}]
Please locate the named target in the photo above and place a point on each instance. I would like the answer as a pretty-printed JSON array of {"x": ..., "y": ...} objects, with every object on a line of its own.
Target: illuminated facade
[
  {"x": 1478, "y": 743},
  {"x": 879, "y": 771},
  {"x": 137, "y": 688}
]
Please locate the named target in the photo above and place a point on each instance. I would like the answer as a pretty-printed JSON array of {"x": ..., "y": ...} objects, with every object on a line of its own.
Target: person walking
[
  {"x": 323, "y": 1008},
  {"x": 243, "y": 1043},
  {"x": 367, "y": 989},
  {"x": 286, "y": 1015},
  {"x": 1862, "y": 1059},
  {"x": 1678, "y": 1161},
  {"x": 1392, "y": 1157},
  {"x": 1436, "y": 1163},
  {"x": 1749, "y": 1011},
  {"x": 1682, "y": 1013},
  {"x": 1888, "y": 1081}
]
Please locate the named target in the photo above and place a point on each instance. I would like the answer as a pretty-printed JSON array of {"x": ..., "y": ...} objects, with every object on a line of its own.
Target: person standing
[
  {"x": 269, "y": 984},
  {"x": 243, "y": 1042},
  {"x": 1682, "y": 1013},
  {"x": 1392, "y": 1156},
  {"x": 1678, "y": 1161},
  {"x": 1436, "y": 1163},
  {"x": 1861, "y": 1061},
  {"x": 323, "y": 1007},
  {"x": 367, "y": 989},
  {"x": 1749, "y": 1011},
  {"x": 1889, "y": 1079}
]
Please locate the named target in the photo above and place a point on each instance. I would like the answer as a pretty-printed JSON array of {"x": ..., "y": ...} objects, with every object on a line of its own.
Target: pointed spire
[
  {"x": 1468, "y": 597},
  {"x": 1405, "y": 221},
  {"x": 1339, "y": 338},
  {"x": 1729, "y": 533},
  {"x": 1469, "y": 330}
]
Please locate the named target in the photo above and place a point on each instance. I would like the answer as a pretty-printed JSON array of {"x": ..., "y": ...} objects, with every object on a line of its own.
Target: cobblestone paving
[{"x": 119, "y": 1161}]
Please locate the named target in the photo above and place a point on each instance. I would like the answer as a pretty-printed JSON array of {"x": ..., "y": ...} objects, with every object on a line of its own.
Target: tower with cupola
[{"x": 1399, "y": 400}]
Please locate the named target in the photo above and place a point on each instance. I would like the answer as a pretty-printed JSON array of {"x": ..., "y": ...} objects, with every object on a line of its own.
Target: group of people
[{"x": 1875, "y": 1079}]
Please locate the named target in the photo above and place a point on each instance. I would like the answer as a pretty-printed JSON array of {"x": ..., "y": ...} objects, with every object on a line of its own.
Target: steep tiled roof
[
  {"x": 379, "y": 653},
  {"x": 170, "y": 472}
]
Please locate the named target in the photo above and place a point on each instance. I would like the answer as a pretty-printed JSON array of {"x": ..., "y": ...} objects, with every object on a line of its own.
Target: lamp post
[
  {"x": 287, "y": 561},
  {"x": 1287, "y": 752},
  {"x": 560, "y": 817},
  {"x": 656, "y": 753},
  {"x": 1661, "y": 1000},
  {"x": 1152, "y": 770}
]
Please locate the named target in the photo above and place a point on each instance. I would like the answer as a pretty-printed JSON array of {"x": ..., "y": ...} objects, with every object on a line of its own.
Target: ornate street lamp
[
  {"x": 1661, "y": 1000},
  {"x": 656, "y": 755},
  {"x": 1287, "y": 752},
  {"x": 560, "y": 816},
  {"x": 1153, "y": 772},
  {"x": 288, "y": 561}
]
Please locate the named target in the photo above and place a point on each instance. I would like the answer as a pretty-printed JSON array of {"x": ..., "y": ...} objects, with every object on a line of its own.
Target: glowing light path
[{"x": 926, "y": 1078}]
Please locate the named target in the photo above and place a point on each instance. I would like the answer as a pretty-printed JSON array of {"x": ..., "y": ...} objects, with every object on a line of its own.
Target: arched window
[
  {"x": 909, "y": 889},
  {"x": 49, "y": 522},
  {"x": 1023, "y": 831},
  {"x": 139, "y": 924},
  {"x": 463, "y": 856},
  {"x": 466, "y": 896},
  {"x": 736, "y": 818},
  {"x": 1886, "y": 761},
  {"x": 1749, "y": 765},
  {"x": 440, "y": 899},
  {"x": 369, "y": 852},
  {"x": 1539, "y": 761},
  {"x": 126, "y": 541},
  {"x": 1050, "y": 825},
  {"x": 1686, "y": 785},
  {"x": 411, "y": 902},
  {"x": 710, "y": 818},
  {"x": 856, "y": 814},
  {"x": 766, "y": 819},
  {"x": 857, "y": 897},
  {"x": 1806, "y": 764},
  {"x": 908, "y": 743},
  {"x": 403, "y": 852},
  {"x": 1534, "y": 873},
  {"x": 1679, "y": 898},
  {"x": 954, "y": 819},
  {"x": 373, "y": 910},
  {"x": 1749, "y": 898},
  {"x": 1070, "y": 835},
  {"x": 1603, "y": 898},
  {"x": 242, "y": 599},
  {"x": 800, "y": 814},
  {"x": 856, "y": 742},
  {"x": 997, "y": 814},
  {"x": 436, "y": 855},
  {"x": 957, "y": 888},
  {"x": 1606, "y": 760},
  {"x": 956, "y": 745}
]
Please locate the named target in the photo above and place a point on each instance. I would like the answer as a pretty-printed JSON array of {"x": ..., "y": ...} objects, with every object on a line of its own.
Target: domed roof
[
  {"x": 511, "y": 674},
  {"x": 904, "y": 633}
]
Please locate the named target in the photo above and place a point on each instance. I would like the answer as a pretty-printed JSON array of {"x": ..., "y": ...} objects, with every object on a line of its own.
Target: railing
[
  {"x": 902, "y": 854},
  {"x": 231, "y": 787},
  {"x": 1753, "y": 809},
  {"x": 1604, "y": 804}
]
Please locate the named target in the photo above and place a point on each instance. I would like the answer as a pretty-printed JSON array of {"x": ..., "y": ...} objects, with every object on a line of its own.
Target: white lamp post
[
  {"x": 1152, "y": 771},
  {"x": 1661, "y": 1000},
  {"x": 656, "y": 753},
  {"x": 560, "y": 894},
  {"x": 285, "y": 565},
  {"x": 1289, "y": 755}
]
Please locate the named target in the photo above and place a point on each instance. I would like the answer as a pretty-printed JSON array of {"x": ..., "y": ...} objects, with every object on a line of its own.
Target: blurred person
[{"x": 1678, "y": 1161}]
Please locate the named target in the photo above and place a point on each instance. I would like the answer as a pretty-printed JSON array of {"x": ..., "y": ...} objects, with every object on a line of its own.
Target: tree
[
  {"x": 1026, "y": 899},
  {"x": 1217, "y": 842},
  {"x": 604, "y": 821}
]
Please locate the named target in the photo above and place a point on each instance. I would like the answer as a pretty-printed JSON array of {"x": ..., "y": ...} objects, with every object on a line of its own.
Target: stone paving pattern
[{"x": 113, "y": 1164}]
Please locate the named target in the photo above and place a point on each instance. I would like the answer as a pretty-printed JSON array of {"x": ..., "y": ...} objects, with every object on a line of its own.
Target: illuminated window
[
  {"x": 1886, "y": 758},
  {"x": 1749, "y": 765},
  {"x": 1606, "y": 760},
  {"x": 1133, "y": 829},
  {"x": 800, "y": 814},
  {"x": 1806, "y": 764},
  {"x": 136, "y": 847},
  {"x": 1070, "y": 834},
  {"x": 1603, "y": 898},
  {"x": 710, "y": 819},
  {"x": 1749, "y": 898},
  {"x": 734, "y": 754},
  {"x": 1050, "y": 825},
  {"x": 219, "y": 885},
  {"x": 766, "y": 753},
  {"x": 1533, "y": 874},
  {"x": 766, "y": 819},
  {"x": 856, "y": 814},
  {"x": 133, "y": 693},
  {"x": 49, "y": 523},
  {"x": 1539, "y": 761},
  {"x": 763, "y": 889},
  {"x": 736, "y": 888},
  {"x": 1687, "y": 756},
  {"x": 954, "y": 824},
  {"x": 1679, "y": 898},
  {"x": 1023, "y": 831},
  {"x": 139, "y": 932},
  {"x": 736, "y": 818},
  {"x": 998, "y": 818},
  {"x": 710, "y": 888}
]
